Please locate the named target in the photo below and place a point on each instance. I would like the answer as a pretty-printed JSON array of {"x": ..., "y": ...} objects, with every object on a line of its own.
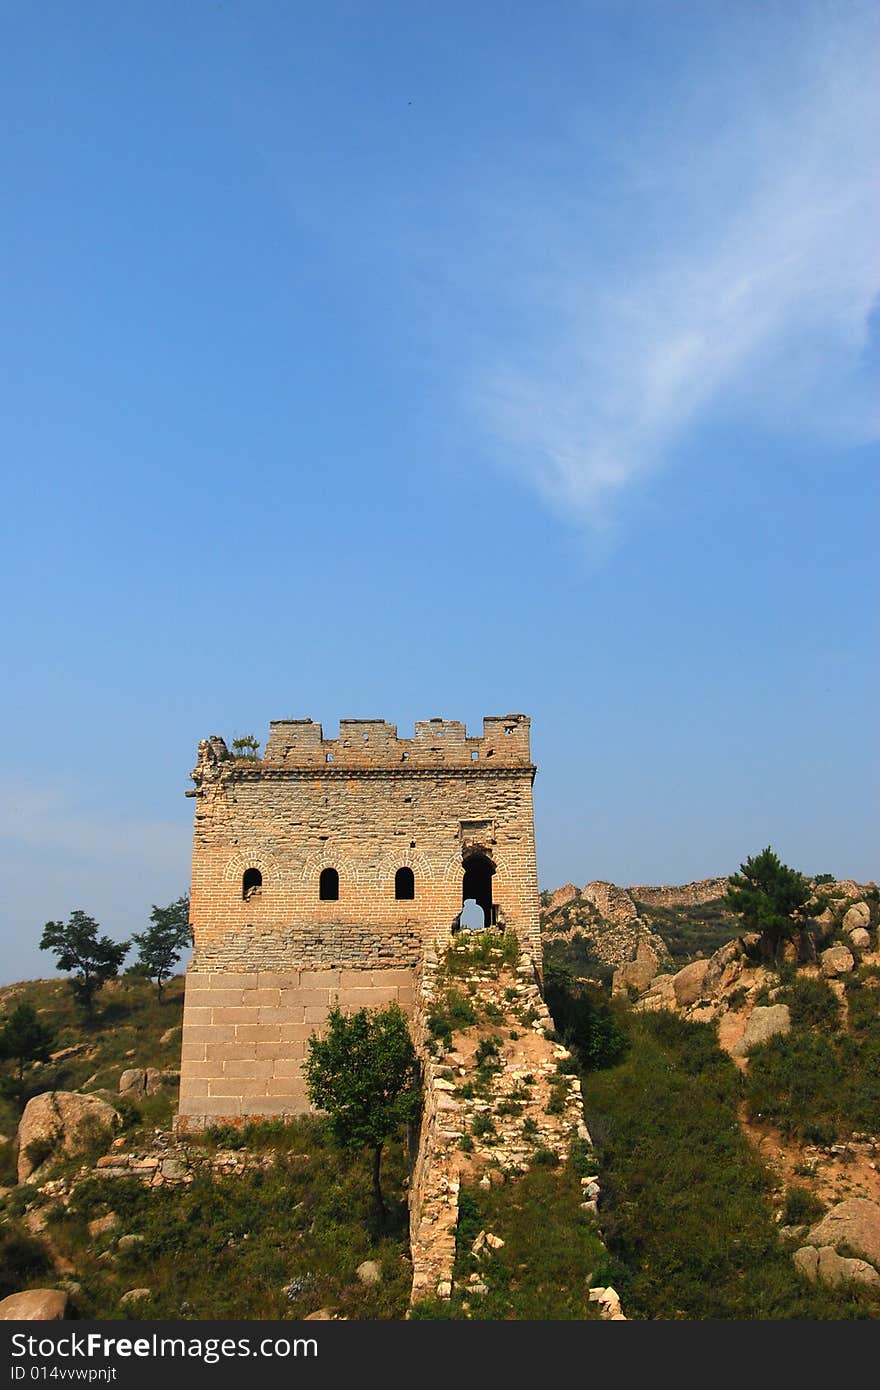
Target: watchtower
[{"x": 322, "y": 870}]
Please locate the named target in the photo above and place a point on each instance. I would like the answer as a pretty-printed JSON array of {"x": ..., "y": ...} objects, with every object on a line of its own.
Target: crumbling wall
[{"x": 272, "y": 956}]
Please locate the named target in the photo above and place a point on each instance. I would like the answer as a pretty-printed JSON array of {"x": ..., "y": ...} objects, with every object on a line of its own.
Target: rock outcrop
[
  {"x": 825, "y": 1265},
  {"x": 60, "y": 1122},
  {"x": 859, "y": 915},
  {"x": 687, "y": 983},
  {"x": 34, "y": 1305},
  {"x": 837, "y": 960},
  {"x": 764, "y": 1022},
  {"x": 854, "y": 1223}
]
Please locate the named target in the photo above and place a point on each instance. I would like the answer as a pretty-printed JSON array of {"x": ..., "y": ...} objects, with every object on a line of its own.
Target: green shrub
[
  {"x": 479, "y": 949},
  {"x": 802, "y": 1207},
  {"x": 812, "y": 1004},
  {"x": 686, "y": 1209},
  {"x": 588, "y": 1022},
  {"x": 488, "y": 1051},
  {"x": 482, "y": 1124},
  {"x": 23, "y": 1259}
]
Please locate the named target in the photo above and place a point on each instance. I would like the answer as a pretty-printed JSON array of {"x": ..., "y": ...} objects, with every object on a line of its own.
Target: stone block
[
  {"x": 210, "y": 1033},
  {"x": 287, "y": 1066},
  {"x": 221, "y": 1051},
  {"x": 250, "y": 1067},
  {"x": 258, "y": 1032},
  {"x": 237, "y": 1015},
  {"x": 197, "y": 1013},
  {"x": 234, "y": 979},
  {"x": 261, "y": 998}
]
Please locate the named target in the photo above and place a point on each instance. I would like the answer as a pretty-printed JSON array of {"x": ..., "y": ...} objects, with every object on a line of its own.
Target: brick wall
[{"x": 365, "y": 804}]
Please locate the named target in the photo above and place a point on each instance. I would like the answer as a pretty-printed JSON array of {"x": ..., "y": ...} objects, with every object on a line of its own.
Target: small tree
[
  {"x": 160, "y": 946},
  {"x": 770, "y": 898},
  {"x": 246, "y": 747},
  {"x": 23, "y": 1040},
  {"x": 364, "y": 1072},
  {"x": 78, "y": 947}
]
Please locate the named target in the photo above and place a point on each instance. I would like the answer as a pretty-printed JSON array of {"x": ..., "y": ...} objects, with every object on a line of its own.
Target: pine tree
[{"x": 770, "y": 898}]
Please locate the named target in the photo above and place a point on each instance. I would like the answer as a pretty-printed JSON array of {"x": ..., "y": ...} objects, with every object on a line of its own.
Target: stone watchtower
[{"x": 320, "y": 874}]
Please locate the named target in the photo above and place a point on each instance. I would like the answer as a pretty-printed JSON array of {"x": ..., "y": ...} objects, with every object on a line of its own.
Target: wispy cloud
[{"x": 751, "y": 292}]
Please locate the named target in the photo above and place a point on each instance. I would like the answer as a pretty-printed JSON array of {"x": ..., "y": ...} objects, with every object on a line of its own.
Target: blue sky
[{"x": 403, "y": 360}]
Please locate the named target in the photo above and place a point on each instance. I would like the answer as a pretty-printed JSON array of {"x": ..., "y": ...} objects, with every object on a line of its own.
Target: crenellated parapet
[{"x": 373, "y": 743}]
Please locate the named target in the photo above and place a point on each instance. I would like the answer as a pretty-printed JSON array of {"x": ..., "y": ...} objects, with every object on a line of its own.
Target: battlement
[{"x": 373, "y": 744}]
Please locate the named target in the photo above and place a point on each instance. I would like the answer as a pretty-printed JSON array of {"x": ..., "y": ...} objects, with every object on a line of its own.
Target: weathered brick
[{"x": 270, "y": 965}]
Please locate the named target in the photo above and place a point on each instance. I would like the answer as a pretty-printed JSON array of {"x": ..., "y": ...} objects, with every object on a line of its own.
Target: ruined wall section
[{"x": 707, "y": 890}]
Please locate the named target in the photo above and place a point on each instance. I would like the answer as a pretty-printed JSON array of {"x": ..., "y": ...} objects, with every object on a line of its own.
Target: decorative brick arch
[
  {"x": 455, "y": 866},
  {"x": 327, "y": 859},
  {"x": 409, "y": 859},
  {"x": 266, "y": 863}
]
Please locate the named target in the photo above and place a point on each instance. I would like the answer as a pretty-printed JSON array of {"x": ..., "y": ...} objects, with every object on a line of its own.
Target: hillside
[
  {"x": 739, "y": 1131},
  {"x": 124, "y": 1224},
  {"x": 594, "y": 929},
  {"x": 696, "y": 1131}
]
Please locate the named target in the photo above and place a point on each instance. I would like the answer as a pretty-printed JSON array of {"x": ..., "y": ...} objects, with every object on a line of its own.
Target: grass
[
  {"x": 695, "y": 931},
  {"x": 274, "y": 1244},
  {"x": 129, "y": 1019},
  {"x": 479, "y": 949},
  {"x": 685, "y": 1210},
  {"x": 544, "y": 1277},
  {"x": 820, "y": 1082}
]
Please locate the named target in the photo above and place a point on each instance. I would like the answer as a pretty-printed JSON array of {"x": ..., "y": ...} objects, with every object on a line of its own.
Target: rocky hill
[
  {"x": 790, "y": 1053},
  {"x": 599, "y": 927}
]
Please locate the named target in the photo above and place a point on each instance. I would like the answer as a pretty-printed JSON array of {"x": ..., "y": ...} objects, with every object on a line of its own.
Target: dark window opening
[
  {"x": 404, "y": 883},
  {"x": 328, "y": 890},
  {"x": 476, "y": 889},
  {"x": 251, "y": 884}
]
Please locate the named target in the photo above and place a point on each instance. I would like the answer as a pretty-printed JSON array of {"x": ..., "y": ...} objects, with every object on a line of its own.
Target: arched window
[
  {"x": 476, "y": 891},
  {"x": 328, "y": 889},
  {"x": 404, "y": 883},
  {"x": 251, "y": 884}
]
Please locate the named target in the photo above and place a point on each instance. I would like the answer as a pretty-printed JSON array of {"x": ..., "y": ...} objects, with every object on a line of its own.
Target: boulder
[
  {"x": 133, "y": 1082},
  {"x": 126, "y": 1244},
  {"x": 171, "y": 1035},
  {"x": 661, "y": 995},
  {"x": 723, "y": 967},
  {"x": 636, "y": 974},
  {"x": 102, "y": 1224},
  {"x": 837, "y": 960},
  {"x": 60, "y": 1122},
  {"x": 859, "y": 915},
  {"x": 688, "y": 983},
  {"x": 826, "y": 1266},
  {"x": 860, "y": 939},
  {"x": 369, "y": 1272},
  {"x": 34, "y": 1305},
  {"x": 157, "y": 1079},
  {"x": 836, "y": 1269},
  {"x": 134, "y": 1296},
  {"x": 765, "y": 1022},
  {"x": 855, "y": 1223}
]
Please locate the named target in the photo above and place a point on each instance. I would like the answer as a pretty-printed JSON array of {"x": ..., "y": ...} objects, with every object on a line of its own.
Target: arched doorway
[{"x": 476, "y": 888}]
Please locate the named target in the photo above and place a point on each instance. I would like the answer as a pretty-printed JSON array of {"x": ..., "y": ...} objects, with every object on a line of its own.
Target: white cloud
[{"x": 750, "y": 293}]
